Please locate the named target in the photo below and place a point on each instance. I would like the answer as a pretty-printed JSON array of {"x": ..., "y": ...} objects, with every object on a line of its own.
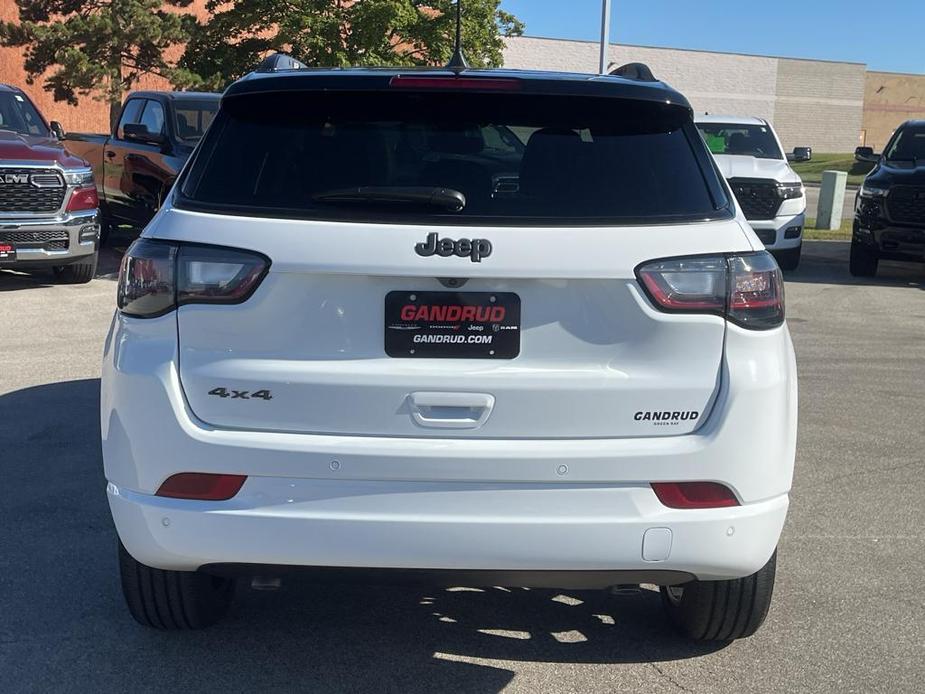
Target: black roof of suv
[{"x": 522, "y": 81}]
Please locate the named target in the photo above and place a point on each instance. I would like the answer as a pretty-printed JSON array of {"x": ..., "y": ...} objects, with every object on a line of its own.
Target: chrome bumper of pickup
[{"x": 51, "y": 241}]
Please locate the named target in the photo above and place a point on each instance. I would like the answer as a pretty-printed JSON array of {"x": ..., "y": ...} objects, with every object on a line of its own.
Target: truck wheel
[
  {"x": 721, "y": 610},
  {"x": 173, "y": 600},
  {"x": 789, "y": 259},
  {"x": 862, "y": 261},
  {"x": 79, "y": 272}
]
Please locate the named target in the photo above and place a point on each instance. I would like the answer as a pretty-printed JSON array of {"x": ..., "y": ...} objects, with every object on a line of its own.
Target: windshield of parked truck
[
  {"x": 193, "y": 117},
  {"x": 19, "y": 115},
  {"x": 469, "y": 158},
  {"x": 733, "y": 138},
  {"x": 908, "y": 144}
]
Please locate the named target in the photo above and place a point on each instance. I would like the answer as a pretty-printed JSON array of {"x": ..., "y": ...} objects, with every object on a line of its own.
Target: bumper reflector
[
  {"x": 694, "y": 494},
  {"x": 203, "y": 486}
]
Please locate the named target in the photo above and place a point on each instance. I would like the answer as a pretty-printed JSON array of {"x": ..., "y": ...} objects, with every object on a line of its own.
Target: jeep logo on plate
[{"x": 476, "y": 249}]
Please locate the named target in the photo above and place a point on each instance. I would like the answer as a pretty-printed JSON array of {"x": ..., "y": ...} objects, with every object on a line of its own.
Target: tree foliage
[
  {"x": 344, "y": 32},
  {"x": 98, "y": 48}
]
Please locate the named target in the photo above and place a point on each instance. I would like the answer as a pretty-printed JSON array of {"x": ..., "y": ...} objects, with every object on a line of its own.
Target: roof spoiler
[
  {"x": 634, "y": 71},
  {"x": 279, "y": 62}
]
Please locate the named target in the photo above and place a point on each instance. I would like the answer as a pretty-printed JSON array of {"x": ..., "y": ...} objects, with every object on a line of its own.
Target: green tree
[
  {"x": 344, "y": 32},
  {"x": 98, "y": 48}
]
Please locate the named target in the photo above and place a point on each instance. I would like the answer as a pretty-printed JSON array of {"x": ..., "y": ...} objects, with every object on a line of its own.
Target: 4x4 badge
[{"x": 476, "y": 249}]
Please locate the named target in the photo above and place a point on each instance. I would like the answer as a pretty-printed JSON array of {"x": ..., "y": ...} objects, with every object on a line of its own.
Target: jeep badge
[{"x": 476, "y": 249}]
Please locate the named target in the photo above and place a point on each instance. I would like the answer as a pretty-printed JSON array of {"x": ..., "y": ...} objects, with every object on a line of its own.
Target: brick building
[{"x": 89, "y": 115}]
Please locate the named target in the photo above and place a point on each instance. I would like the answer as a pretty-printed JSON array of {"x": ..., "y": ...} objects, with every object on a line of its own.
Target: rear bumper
[
  {"x": 53, "y": 241},
  {"x": 774, "y": 233},
  {"x": 518, "y": 528},
  {"x": 461, "y": 504}
]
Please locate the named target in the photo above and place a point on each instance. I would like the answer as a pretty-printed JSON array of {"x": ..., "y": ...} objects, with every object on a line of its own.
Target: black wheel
[
  {"x": 863, "y": 261},
  {"x": 789, "y": 259},
  {"x": 173, "y": 600},
  {"x": 79, "y": 272},
  {"x": 721, "y": 610}
]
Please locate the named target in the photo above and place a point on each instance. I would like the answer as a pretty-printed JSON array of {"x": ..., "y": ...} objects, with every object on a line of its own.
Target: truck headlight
[
  {"x": 79, "y": 178},
  {"x": 789, "y": 191},
  {"x": 869, "y": 190}
]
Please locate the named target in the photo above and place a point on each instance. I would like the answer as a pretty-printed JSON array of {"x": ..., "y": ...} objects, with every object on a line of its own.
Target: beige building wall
[
  {"x": 829, "y": 106},
  {"x": 714, "y": 82},
  {"x": 890, "y": 98},
  {"x": 819, "y": 104}
]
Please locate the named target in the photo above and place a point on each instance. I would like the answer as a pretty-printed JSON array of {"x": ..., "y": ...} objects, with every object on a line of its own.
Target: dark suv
[{"x": 889, "y": 219}]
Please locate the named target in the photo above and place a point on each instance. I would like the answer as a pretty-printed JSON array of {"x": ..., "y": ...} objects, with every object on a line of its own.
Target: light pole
[{"x": 605, "y": 35}]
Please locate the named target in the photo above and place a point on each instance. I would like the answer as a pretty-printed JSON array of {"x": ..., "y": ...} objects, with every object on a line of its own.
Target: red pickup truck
[{"x": 49, "y": 216}]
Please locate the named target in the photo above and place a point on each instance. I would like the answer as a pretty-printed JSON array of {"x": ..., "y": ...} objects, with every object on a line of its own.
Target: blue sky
[{"x": 887, "y": 35}]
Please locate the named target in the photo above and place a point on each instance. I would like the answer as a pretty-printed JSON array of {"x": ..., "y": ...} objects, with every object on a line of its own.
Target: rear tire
[
  {"x": 173, "y": 600},
  {"x": 789, "y": 259},
  {"x": 79, "y": 272},
  {"x": 721, "y": 610},
  {"x": 862, "y": 261}
]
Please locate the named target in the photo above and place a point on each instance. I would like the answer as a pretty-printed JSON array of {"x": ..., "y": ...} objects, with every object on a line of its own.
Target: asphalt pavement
[{"x": 848, "y": 613}]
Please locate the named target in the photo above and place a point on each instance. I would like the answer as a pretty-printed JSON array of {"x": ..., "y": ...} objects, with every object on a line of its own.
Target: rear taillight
[
  {"x": 158, "y": 276},
  {"x": 83, "y": 199},
  {"x": 747, "y": 289},
  {"x": 694, "y": 494},
  {"x": 204, "y": 486},
  {"x": 147, "y": 285}
]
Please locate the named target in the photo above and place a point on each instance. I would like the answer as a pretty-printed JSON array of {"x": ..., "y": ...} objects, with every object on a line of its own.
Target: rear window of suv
[{"x": 514, "y": 159}]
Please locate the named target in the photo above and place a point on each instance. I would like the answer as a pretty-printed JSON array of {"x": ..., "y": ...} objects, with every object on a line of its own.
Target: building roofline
[
  {"x": 899, "y": 74},
  {"x": 696, "y": 50}
]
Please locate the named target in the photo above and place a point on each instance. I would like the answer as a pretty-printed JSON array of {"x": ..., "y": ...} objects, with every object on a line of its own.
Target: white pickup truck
[{"x": 750, "y": 157}]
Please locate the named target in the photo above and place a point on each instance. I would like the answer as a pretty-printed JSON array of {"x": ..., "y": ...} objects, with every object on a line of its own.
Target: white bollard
[{"x": 831, "y": 199}]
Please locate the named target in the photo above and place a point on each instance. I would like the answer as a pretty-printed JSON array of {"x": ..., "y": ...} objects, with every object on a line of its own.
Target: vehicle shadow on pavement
[
  {"x": 11, "y": 281},
  {"x": 826, "y": 262},
  {"x": 64, "y": 626}
]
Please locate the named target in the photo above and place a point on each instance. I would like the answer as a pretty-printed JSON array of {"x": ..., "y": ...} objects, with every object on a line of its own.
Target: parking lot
[{"x": 848, "y": 616}]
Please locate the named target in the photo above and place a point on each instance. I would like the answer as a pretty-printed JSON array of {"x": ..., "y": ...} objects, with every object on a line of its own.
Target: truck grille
[
  {"x": 31, "y": 190},
  {"x": 45, "y": 240},
  {"x": 758, "y": 197},
  {"x": 906, "y": 204}
]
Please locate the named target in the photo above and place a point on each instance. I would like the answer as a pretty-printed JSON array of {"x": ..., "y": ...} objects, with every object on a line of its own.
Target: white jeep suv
[
  {"x": 770, "y": 193},
  {"x": 484, "y": 327}
]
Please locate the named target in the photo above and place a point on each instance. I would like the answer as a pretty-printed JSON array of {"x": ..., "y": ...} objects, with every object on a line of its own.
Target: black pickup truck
[
  {"x": 136, "y": 165},
  {"x": 889, "y": 213}
]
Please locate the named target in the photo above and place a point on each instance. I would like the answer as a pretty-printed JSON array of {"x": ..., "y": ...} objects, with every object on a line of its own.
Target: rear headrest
[
  {"x": 184, "y": 129},
  {"x": 550, "y": 161},
  {"x": 738, "y": 142}
]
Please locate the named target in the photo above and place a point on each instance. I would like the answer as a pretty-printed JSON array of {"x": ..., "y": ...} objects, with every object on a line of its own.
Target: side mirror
[
  {"x": 140, "y": 133},
  {"x": 866, "y": 154},
  {"x": 800, "y": 154},
  {"x": 57, "y": 130}
]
